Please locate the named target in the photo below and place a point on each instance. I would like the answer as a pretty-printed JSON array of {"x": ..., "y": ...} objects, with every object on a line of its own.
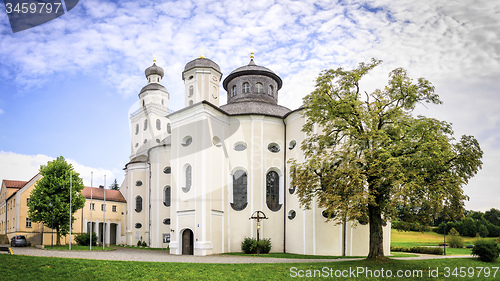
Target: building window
[
  {"x": 145, "y": 124},
  {"x": 273, "y": 191},
  {"x": 113, "y": 208},
  {"x": 233, "y": 91},
  {"x": 292, "y": 144},
  {"x": 270, "y": 90},
  {"x": 138, "y": 225},
  {"x": 166, "y": 196},
  {"x": 259, "y": 88},
  {"x": 167, "y": 170},
  {"x": 240, "y": 146},
  {"x": 138, "y": 183},
  {"x": 187, "y": 141},
  {"x": 291, "y": 214},
  {"x": 103, "y": 208},
  {"x": 239, "y": 190},
  {"x": 158, "y": 124},
  {"x": 291, "y": 189},
  {"x": 92, "y": 206},
  {"x": 246, "y": 88},
  {"x": 187, "y": 179},
  {"x": 28, "y": 223},
  {"x": 328, "y": 215},
  {"x": 273, "y": 147},
  {"x": 166, "y": 221},
  {"x": 136, "y": 129},
  {"x": 191, "y": 102},
  {"x": 169, "y": 129},
  {"x": 191, "y": 91},
  {"x": 138, "y": 204}
]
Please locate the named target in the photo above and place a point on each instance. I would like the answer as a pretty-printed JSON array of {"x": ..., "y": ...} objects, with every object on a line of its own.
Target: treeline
[{"x": 475, "y": 223}]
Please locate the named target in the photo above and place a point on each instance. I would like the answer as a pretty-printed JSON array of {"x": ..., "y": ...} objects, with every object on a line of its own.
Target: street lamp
[{"x": 52, "y": 225}]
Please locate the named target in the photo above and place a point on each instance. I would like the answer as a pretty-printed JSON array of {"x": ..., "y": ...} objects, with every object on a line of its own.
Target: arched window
[
  {"x": 136, "y": 129},
  {"x": 273, "y": 191},
  {"x": 191, "y": 102},
  {"x": 169, "y": 129},
  {"x": 270, "y": 90},
  {"x": 233, "y": 91},
  {"x": 191, "y": 91},
  {"x": 138, "y": 204},
  {"x": 158, "y": 124},
  {"x": 259, "y": 88},
  {"x": 246, "y": 88},
  {"x": 145, "y": 124},
  {"x": 239, "y": 190},
  {"x": 166, "y": 196},
  {"x": 187, "y": 179}
]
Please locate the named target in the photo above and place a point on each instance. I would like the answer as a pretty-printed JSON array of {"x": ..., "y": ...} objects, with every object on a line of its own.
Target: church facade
[{"x": 196, "y": 176}]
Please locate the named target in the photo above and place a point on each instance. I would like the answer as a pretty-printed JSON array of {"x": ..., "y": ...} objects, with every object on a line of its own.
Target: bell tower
[
  {"x": 149, "y": 125},
  {"x": 201, "y": 81}
]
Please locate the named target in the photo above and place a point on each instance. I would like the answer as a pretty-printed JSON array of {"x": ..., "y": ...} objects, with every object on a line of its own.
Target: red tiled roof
[
  {"x": 14, "y": 183},
  {"x": 98, "y": 193}
]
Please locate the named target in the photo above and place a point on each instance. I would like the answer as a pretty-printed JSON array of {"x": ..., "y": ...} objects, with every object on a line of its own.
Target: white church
[{"x": 196, "y": 176}]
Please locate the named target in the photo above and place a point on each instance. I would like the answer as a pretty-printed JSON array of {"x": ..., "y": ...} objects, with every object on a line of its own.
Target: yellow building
[{"x": 14, "y": 219}]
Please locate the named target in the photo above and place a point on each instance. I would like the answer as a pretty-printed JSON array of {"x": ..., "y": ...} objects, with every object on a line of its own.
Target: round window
[
  {"x": 138, "y": 225},
  {"x": 240, "y": 146},
  {"x": 216, "y": 141},
  {"x": 292, "y": 144},
  {"x": 167, "y": 170},
  {"x": 328, "y": 215},
  {"x": 166, "y": 221},
  {"x": 138, "y": 183},
  {"x": 187, "y": 141},
  {"x": 291, "y": 189},
  {"x": 291, "y": 214}
]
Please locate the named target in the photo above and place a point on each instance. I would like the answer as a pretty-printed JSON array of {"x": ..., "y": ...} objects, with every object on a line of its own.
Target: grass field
[
  {"x": 34, "y": 268},
  {"x": 78, "y": 248},
  {"x": 414, "y": 238}
]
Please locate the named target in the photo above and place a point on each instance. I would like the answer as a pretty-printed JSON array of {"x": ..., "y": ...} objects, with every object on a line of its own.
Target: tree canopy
[
  {"x": 366, "y": 155},
  {"x": 50, "y": 199},
  {"x": 114, "y": 185}
]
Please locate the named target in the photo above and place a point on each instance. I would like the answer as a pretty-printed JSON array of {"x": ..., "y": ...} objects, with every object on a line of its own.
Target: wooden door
[{"x": 187, "y": 242}]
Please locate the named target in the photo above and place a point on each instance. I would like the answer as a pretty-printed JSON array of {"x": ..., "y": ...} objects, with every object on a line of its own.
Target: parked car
[
  {"x": 18, "y": 240},
  {"x": 469, "y": 246}
]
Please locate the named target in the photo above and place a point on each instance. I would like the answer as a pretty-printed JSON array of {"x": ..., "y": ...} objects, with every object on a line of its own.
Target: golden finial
[
  {"x": 154, "y": 58},
  {"x": 251, "y": 55},
  {"x": 202, "y": 56}
]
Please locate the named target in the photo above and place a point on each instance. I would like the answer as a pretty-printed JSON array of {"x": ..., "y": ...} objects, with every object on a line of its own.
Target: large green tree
[
  {"x": 366, "y": 155},
  {"x": 50, "y": 199}
]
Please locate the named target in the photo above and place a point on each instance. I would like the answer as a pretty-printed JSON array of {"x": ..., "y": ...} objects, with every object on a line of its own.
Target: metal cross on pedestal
[{"x": 258, "y": 215}]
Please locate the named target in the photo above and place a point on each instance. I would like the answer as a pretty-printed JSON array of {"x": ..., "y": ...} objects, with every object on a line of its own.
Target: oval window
[
  {"x": 328, "y": 215},
  {"x": 167, "y": 170},
  {"x": 138, "y": 225},
  {"x": 166, "y": 221},
  {"x": 187, "y": 141},
  {"x": 291, "y": 189},
  {"x": 138, "y": 183},
  {"x": 158, "y": 124},
  {"x": 240, "y": 146},
  {"x": 273, "y": 147},
  {"x": 291, "y": 214},
  {"x": 216, "y": 141},
  {"x": 364, "y": 221},
  {"x": 292, "y": 144},
  {"x": 169, "y": 129}
]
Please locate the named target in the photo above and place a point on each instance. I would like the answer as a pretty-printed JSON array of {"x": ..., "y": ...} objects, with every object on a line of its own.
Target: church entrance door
[{"x": 187, "y": 242}]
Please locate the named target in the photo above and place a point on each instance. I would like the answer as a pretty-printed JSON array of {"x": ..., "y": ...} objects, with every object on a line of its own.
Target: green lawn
[
  {"x": 297, "y": 256},
  {"x": 15, "y": 267}
]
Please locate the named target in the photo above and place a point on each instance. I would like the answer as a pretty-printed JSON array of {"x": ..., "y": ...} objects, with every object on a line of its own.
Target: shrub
[
  {"x": 455, "y": 240},
  {"x": 139, "y": 243},
  {"x": 419, "y": 250},
  {"x": 486, "y": 250},
  {"x": 249, "y": 245},
  {"x": 264, "y": 246},
  {"x": 83, "y": 239},
  {"x": 144, "y": 244}
]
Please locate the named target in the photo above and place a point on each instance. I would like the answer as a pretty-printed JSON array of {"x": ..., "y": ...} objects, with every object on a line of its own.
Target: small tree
[
  {"x": 455, "y": 240},
  {"x": 486, "y": 250},
  {"x": 49, "y": 201},
  {"x": 114, "y": 185},
  {"x": 483, "y": 231}
]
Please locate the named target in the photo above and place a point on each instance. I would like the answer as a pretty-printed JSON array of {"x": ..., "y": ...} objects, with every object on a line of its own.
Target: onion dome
[{"x": 154, "y": 69}]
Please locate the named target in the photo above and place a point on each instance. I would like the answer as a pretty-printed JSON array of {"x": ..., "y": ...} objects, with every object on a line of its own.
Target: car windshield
[{"x": 21, "y": 237}]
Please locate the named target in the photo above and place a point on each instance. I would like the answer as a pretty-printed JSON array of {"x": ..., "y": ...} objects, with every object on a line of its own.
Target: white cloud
[{"x": 15, "y": 166}]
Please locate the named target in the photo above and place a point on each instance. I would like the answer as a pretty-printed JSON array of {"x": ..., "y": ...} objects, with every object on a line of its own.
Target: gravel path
[{"x": 131, "y": 254}]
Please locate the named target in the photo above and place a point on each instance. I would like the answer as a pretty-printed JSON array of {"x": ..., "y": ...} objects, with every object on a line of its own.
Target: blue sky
[{"x": 67, "y": 86}]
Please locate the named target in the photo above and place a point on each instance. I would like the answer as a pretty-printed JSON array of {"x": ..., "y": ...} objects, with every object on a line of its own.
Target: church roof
[
  {"x": 255, "y": 107},
  {"x": 153, "y": 86},
  {"x": 98, "y": 193},
  {"x": 14, "y": 183},
  {"x": 201, "y": 62},
  {"x": 252, "y": 69}
]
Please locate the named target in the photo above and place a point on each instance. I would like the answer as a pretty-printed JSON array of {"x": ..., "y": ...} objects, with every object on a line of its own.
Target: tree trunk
[
  {"x": 58, "y": 238},
  {"x": 376, "y": 233}
]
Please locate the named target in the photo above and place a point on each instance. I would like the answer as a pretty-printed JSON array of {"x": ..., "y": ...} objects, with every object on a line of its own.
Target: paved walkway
[{"x": 131, "y": 254}]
